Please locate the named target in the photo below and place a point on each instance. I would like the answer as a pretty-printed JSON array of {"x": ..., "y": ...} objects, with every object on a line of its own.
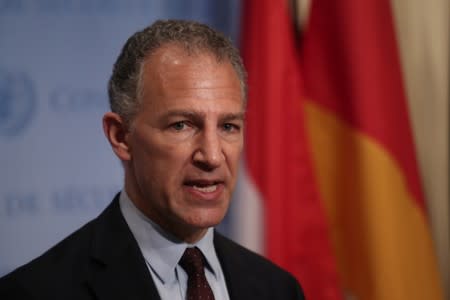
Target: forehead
[{"x": 172, "y": 72}]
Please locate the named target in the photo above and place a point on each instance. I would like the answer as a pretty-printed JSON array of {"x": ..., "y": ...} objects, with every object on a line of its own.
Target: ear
[{"x": 116, "y": 132}]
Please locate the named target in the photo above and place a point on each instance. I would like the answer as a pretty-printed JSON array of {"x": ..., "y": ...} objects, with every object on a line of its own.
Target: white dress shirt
[{"x": 162, "y": 253}]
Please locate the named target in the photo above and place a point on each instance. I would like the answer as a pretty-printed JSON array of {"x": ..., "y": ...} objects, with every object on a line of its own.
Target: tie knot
[{"x": 192, "y": 261}]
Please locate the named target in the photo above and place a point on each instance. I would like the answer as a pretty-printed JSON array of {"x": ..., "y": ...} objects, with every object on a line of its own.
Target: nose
[{"x": 209, "y": 152}]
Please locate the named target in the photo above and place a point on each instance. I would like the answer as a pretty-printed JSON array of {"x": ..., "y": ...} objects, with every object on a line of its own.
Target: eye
[
  {"x": 230, "y": 127},
  {"x": 178, "y": 126}
]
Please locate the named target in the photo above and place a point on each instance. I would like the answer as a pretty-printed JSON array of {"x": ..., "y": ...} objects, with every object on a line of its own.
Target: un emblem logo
[{"x": 17, "y": 102}]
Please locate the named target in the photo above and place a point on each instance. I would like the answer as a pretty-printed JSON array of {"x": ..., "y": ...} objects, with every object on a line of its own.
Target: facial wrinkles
[
  {"x": 181, "y": 97},
  {"x": 168, "y": 85},
  {"x": 173, "y": 63}
]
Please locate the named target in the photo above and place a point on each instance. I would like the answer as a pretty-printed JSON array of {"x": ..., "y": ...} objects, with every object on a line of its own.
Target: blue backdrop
[{"x": 57, "y": 170}]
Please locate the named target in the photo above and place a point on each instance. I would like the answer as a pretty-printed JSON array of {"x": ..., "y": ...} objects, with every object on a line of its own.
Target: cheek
[
  {"x": 151, "y": 159},
  {"x": 168, "y": 163},
  {"x": 155, "y": 147},
  {"x": 233, "y": 154}
]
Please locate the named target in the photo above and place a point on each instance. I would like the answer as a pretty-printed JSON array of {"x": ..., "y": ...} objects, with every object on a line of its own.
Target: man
[{"x": 177, "y": 95}]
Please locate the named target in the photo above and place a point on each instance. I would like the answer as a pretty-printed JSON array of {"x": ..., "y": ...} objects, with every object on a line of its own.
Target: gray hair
[{"x": 124, "y": 84}]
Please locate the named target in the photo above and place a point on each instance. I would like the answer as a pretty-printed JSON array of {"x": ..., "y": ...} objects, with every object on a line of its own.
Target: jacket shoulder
[{"x": 266, "y": 278}]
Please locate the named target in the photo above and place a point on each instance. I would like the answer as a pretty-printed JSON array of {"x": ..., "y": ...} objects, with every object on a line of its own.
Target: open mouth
[
  {"x": 206, "y": 189},
  {"x": 203, "y": 186}
]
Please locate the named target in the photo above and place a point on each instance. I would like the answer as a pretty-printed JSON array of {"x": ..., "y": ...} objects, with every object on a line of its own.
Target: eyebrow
[
  {"x": 198, "y": 115},
  {"x": 231, "y": 116}
]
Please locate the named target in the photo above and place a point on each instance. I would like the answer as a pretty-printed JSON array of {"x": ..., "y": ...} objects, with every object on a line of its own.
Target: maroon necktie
[{"x": 198, "y": 288}]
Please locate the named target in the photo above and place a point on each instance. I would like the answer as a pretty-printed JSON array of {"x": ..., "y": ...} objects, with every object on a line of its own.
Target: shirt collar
[{"x": 161, "y": 250}]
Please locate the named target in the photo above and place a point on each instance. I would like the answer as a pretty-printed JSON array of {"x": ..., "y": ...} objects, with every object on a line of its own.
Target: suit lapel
[
  {"x": 118, "y": 270},
  {"x": 240, "y": 280}
]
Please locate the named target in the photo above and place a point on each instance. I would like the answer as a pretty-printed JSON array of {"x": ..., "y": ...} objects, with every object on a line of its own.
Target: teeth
[{"x": 206, "y": 189}]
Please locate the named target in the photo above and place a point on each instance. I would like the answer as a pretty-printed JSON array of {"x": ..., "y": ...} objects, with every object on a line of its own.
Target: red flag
[{"x": 276, "y": 151}]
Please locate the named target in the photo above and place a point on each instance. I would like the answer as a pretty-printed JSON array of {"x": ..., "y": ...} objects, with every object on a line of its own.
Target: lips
[
  {"x": 202, "y": 183},
  {"x": 205, "y": 189}
]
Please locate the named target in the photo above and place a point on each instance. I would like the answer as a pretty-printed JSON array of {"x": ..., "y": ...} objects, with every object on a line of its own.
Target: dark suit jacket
[{"x": 102, "y": 260}]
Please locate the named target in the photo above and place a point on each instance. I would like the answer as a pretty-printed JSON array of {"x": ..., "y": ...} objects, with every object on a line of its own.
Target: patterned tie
[{"x": 198, "y": 288}]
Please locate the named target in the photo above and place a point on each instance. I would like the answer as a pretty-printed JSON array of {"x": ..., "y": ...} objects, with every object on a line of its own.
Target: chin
[{"x": 204, "y": 220}]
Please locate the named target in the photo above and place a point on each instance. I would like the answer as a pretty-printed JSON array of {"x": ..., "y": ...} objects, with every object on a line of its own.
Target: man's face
[{"x": 185, "y": 141}]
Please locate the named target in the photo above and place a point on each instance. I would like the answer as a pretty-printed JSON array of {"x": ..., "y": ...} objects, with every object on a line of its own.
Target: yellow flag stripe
[{"x": 381, "y": 237}]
